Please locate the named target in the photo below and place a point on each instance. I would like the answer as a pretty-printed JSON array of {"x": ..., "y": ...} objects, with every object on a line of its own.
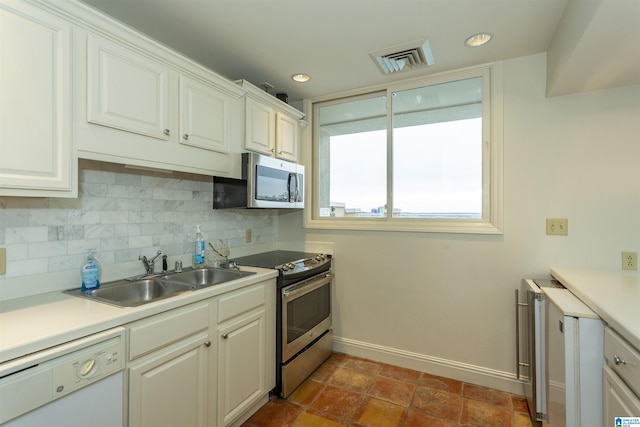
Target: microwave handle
[{"x": 293, "y": 195}]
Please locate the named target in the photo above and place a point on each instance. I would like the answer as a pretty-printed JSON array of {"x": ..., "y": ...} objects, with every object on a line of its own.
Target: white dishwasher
[{"x": 79, "y": 383}]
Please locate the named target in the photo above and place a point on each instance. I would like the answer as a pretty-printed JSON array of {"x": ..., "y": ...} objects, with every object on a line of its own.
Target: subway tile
[
  {"x": 140, "y": 241},
  {"x": 99, "y": 230},
  {"x": 27, "y": 267},
  {"x": 66, "y": 232},
  {"x": 114, "y": 217},
  {"x": 47, "y": 249},
  {"x": 17, "y": 252},
  {"x": 26, "y": 235},
  {"x": 122, "y": 213}
]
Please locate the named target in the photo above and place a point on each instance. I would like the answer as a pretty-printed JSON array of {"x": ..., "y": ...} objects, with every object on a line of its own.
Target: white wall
[{"x": 445, "y": 303}]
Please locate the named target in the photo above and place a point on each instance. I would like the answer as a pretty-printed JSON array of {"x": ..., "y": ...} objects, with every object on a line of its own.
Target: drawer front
[
  {"x": 163, "y": 329},
  {"x": 623, "y": 359},
  {"x": 240, "y": 302}
]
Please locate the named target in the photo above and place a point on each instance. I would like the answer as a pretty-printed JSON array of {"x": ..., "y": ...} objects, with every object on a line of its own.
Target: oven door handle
[{"x": 295, "y": 291}]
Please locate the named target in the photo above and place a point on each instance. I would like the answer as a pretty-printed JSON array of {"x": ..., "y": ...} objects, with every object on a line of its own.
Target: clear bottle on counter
[{"x": 198, "y": 252}]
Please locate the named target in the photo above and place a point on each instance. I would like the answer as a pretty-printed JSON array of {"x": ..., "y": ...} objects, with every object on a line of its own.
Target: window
[{"x": 423, "y": 155}]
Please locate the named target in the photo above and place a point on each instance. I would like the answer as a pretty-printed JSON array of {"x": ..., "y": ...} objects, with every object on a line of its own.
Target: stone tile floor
[{"x": 350, "y": 391}]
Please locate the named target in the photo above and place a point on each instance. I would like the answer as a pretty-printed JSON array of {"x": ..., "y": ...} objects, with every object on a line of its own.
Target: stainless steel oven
[
  {"x": 307, "y": 339},
  {"x": 304, "y": 338}
]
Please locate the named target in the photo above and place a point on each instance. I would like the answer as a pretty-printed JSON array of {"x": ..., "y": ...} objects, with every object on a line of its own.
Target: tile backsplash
[{"x": 122, "y": 213}]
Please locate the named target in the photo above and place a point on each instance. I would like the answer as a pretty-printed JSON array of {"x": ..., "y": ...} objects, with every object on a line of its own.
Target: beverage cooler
[{"x": 574, "y": 340}]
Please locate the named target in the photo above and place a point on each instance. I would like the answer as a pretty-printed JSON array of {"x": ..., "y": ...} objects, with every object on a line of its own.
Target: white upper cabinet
[
  {"x": 271, "y": 126},
  {"x": 126, "y": 90},
  {"x": 288, "y": 139},
  {"x": 260, "y": 130},
  {"x": 37, "y": 154},
  {"x": 143, "y": 105},
  {"x": 204, "y": 116}
]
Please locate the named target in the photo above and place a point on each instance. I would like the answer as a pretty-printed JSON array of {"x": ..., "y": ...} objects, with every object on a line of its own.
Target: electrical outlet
[
  {"x": 247, "y": 235},
  {"x": 557, "y": 226},
  {"x": 3, "y": 261},
  {"x": 629, "y": 260}
]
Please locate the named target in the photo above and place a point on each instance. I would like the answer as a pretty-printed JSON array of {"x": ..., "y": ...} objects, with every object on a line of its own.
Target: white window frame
[{"x": 492, "y": 219}]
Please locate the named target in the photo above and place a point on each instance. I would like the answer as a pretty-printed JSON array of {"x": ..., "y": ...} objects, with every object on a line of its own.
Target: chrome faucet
[{"x": 148, "y": 263}]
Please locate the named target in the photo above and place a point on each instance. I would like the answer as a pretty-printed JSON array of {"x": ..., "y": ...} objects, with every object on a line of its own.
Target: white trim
[
  {"x": 493, "y": 224},
  {"x": 486, "y": 377}
]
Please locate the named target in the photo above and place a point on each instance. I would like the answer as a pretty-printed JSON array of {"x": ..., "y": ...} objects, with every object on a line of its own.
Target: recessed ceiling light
[
  {"x": 301, "y": 77},
  {"x": 478, "y": 39}
]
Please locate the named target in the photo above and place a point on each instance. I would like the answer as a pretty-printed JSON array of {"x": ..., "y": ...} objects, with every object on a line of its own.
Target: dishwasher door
[
  {"x": 96, "y": 405},
  {"x": 79, "y": 383}
]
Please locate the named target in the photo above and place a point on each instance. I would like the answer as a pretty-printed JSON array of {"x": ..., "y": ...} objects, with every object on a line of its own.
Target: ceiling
[{"x": 270, "y": 40}]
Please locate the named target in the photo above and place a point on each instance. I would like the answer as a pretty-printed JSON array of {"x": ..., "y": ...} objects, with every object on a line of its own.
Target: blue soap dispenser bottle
[{"x": 90, "y": 273}]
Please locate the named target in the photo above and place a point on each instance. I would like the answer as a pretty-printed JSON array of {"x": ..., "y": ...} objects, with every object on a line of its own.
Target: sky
[{"x": 437, "y": 168}]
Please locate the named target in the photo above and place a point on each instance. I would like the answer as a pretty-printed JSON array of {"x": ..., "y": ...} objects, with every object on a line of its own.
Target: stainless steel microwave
[{"x": 266, "y": 183}]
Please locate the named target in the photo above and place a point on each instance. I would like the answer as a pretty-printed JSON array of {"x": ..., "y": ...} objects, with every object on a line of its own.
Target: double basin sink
[{"x": 135, "y": 292}]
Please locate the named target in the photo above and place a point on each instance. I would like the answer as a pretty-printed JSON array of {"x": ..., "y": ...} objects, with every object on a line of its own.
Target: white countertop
[
  {"x": 613, "y": 295},
  {"x": 42, "y": 321}
]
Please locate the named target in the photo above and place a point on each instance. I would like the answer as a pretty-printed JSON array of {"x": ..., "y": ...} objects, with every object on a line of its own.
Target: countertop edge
[
  {"x": 109, "y": 316},
  {"x": 594, "y": 297}
]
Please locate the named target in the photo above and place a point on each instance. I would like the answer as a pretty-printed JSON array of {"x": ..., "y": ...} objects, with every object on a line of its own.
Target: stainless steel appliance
[
  {"x": 79, "y": 383},
  {"x": 304, "y": 338},
  {"x": 530, "y": 344},
  {"x": 266, "y": 182},
  {"x": 559, "y": 355}
]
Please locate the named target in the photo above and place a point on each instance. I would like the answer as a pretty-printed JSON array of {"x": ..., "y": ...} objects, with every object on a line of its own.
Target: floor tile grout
[{"x": 350, "y": 376}]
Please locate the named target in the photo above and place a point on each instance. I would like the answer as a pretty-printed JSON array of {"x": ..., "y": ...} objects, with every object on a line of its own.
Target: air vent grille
[{"x": 408, "y": 56}]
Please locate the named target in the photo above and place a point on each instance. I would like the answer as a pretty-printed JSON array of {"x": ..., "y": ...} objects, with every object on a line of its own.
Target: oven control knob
[
  {"x": 321, "y": 257},
  {"x": 288, "y": 266}
]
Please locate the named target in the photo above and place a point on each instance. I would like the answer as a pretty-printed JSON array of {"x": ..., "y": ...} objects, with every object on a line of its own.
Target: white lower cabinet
[
  {"x": 169, "y": 356},
  {"x": 621, "y": 378},
  {"x": 210, "y": 363},
  {"x": 170, "y": 387},
  {"x": 246, "y": 350},
  {"x": 619, "y": 399}
]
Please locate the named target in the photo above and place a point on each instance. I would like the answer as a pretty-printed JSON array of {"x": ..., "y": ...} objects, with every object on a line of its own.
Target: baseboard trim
[{"x": 465, "y": 372}]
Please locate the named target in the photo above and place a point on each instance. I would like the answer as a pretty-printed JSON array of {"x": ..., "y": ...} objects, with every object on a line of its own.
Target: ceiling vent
[{"x": 404, "y": 57}]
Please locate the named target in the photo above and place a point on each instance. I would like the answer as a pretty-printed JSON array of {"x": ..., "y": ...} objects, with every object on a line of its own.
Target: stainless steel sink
[
  {"x": 207, "y": 276},
  {"x": 134, "y": 293}
]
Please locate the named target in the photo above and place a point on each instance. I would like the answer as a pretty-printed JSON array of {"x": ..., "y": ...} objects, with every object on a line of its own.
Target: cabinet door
[
  {"x": 127, "y": 90},
  {"x": 286, "y": 137},
  {"x": 260, "y": 127},
  {"x": 37, "y": 152},
  {"x": 170, "y": 387},
  {"x": 241, "y": 365},
  {"x": 204, "y": 116},
  {"x": 619, "y": 400}
]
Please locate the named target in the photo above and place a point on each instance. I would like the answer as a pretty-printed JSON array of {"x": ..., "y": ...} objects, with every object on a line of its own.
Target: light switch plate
[
  {"x": 557, "y": 226},
  {"x": 3, "y": 261}
]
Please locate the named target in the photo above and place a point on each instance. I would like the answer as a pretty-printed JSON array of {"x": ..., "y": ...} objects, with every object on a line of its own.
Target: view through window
[{"x": 409, "y": 153}]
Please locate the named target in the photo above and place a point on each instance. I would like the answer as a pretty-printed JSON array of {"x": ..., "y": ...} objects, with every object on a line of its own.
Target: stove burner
[{"x": 288, "y": 262}]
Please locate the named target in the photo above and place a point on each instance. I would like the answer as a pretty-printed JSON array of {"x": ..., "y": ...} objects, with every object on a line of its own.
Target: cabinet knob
[
  {"x": 225, "y": 336},
  {"x": 167, "y": 132},
  {"x": 281, "y": 153},
  {"x": 186, "y": 136},
  {"x": 273, "y": 150},
  {"x": 619, "y": 360},
  {"x": 207, "y": 343}
]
